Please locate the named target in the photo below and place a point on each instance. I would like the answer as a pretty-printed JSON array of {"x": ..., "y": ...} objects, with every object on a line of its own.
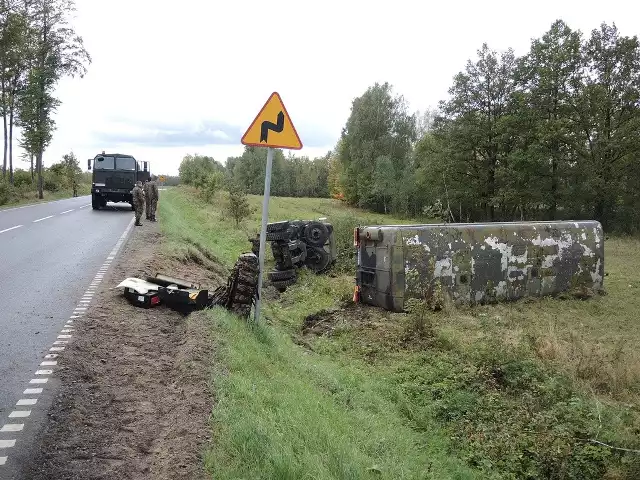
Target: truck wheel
[
  {"x": 277, "y": 275},
  {"x": 95, "y": 202},
  {"x": 277, "y": 226},
  {"x": 316, "y": 234}
]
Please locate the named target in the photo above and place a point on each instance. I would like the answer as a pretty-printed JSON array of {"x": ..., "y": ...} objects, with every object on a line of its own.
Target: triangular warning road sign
[{"x": 272, "y": 127}]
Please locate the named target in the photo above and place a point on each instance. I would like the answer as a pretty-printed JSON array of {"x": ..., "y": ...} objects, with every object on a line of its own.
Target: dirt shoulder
[{"x": 135, "y": 398}]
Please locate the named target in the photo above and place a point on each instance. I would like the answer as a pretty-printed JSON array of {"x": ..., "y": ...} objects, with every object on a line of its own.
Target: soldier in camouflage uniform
[
  {"x": 147, "y": 200},
  {"x": 153, "y": 196},
  {"x": 138, "y": 201}
]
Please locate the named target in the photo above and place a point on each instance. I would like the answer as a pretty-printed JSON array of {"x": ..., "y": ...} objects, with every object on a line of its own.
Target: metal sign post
[
  {"x": 272, "y": 128},
  {"x": 263, "y": 229}
]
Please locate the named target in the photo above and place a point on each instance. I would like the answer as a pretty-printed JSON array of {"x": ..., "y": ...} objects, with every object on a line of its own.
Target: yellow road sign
[
  {"x": 272, "y": 127},
  {"x": 162, "y": 178}
]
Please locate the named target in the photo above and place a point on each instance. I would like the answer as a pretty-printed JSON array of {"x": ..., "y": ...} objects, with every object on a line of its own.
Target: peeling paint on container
[{"x": 479, "y": 263}]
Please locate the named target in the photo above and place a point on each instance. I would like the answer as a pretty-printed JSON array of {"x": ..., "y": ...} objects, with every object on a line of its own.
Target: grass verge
[{"x": 329, "y": 390}]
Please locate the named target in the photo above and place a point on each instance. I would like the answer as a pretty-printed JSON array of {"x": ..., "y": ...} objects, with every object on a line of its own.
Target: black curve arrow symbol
[{"x": 276, "y": 127}]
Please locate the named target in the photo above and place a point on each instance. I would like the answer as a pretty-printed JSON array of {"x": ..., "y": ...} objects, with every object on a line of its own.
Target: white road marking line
[
  {"x": 3, "y": 460},
  {"x": 67, "y": 330},
  {"x": 12, "y": 427},
  {"x": 85, "y": 206},
  {"x": 44, "y": 218},
  {"x": 7, "y": 443},
  {"x": 66, "y": 211},
  {"x": 12, "y": 228},
  {"x": 49, "y": 363},
  {"x": 60, "y": 342},
  {"x": 51, "y": 355},
  {"x": 20, "y": 413},
  {"x": 32, "y": 391},
  {"x": 44, "y": 372},
  {"x": 56, "y": 349},
  {"x": 80, "y": 308},
  {"x": 38, "y": 380},
  {"x": 26, "y": 401},
  {"x": 64, "y": 336},
  {"x": 75, "y": 316}
]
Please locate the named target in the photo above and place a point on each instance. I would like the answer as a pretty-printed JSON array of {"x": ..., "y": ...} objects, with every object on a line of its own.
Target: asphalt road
[{"x": 49, "y": 254}]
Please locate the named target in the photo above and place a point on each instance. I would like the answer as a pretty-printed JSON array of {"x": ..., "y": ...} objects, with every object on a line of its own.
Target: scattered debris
[
  {"x": 298, "y": 243},
  {"x": 237, "y": 296}
]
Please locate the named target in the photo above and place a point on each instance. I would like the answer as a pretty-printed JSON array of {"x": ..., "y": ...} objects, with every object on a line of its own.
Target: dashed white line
[
  {"x": 12, "y": 228},
  {"x": 12, "y": 427},
  {"x": 20, "y": 413},
  {"x": 66, "y": 211},
  {"x": 65, "y": 334},
  {"x": 85, "y": 206}
]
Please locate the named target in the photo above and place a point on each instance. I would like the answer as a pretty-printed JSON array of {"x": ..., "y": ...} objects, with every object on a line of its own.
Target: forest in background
[{"x": 553, "y": 134}]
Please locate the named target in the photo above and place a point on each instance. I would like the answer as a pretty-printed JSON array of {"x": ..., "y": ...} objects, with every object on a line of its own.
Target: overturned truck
[{"x": 476, "y": 263}]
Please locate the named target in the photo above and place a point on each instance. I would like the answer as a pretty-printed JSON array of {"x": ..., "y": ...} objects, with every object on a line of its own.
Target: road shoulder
[{"x": 135, "y": 398}]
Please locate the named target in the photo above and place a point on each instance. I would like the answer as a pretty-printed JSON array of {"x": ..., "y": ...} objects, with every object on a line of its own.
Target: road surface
[{"x": 49, "y": 255}]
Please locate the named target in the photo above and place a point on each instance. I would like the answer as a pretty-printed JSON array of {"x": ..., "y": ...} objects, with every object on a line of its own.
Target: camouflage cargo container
[{"x": 476, "y": 263}]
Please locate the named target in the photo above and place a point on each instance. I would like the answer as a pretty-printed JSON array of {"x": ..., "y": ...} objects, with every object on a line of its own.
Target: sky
[{"x": 169, "y": 79}]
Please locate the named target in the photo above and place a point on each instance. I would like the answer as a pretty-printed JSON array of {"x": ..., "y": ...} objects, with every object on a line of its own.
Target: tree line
[
  {"x": 38, "y": 47},
  {"x": 554, "y": 134},
  {"x": 60, "y": 178},
  {"x": 292, "y": 176}
]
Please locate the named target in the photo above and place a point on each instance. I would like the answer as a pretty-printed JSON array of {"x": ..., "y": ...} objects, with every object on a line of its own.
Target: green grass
[
  {"x": 31, "y": 197},
  {"x": 506, "y": 391}
]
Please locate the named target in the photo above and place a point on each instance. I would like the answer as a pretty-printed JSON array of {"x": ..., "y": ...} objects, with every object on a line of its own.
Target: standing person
[
  {"x": 147, "y": 200},
  {"x": 138, "y": 201},
  {"x": 153, "y": 196}
]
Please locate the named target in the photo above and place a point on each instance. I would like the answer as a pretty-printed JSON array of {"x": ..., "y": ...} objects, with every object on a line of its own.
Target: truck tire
[
  {"x": 277, "y": 275},
  {"x": 316, "y": 234},
  {"x": 95, "y": 201},
  {"x": 277, "y": 226},
  {"x": 278, "y": 236}
]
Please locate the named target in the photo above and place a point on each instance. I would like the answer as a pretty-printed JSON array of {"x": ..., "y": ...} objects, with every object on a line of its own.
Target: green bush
[
  {"x": 6, "y": 192},
  {"x": 210, "y": 185}
]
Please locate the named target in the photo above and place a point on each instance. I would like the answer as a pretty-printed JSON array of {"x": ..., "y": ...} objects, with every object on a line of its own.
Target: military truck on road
[{"x": 114, "y": 176}]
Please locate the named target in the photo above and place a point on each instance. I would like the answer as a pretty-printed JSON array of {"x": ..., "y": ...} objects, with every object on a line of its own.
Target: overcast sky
[{"x": 171, "y": 78}]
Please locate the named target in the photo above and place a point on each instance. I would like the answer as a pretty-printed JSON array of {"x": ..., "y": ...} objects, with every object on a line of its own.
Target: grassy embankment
[
  {"x": 11, "y": 199},
  {"x": 509, "y": 391}
]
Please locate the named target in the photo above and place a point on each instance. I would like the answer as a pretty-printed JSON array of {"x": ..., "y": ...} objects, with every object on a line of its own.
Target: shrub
[{"x": 237, "y": 204}]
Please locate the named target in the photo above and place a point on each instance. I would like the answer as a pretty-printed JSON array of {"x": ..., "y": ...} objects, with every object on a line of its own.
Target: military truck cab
[{"x": 114, "y": 176}]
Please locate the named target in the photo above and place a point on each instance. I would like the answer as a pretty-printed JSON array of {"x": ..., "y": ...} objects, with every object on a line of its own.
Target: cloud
[{"x": 155, "y": 133}]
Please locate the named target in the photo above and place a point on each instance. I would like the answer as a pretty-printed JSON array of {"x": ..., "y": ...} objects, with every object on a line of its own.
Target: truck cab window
[
  {"x": 126, "y": 163},
  {"x": 104, "y": 163}
]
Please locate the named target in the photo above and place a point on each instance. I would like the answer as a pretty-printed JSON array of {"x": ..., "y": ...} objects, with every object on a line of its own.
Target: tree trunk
[
  {"x": 32, "y": 172},
  {"x": 40, "y": 181},
  {"x": 6, "y": 144},
  {"x": 11, "y": 145},
  {"x": 554, "y": 188}
]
